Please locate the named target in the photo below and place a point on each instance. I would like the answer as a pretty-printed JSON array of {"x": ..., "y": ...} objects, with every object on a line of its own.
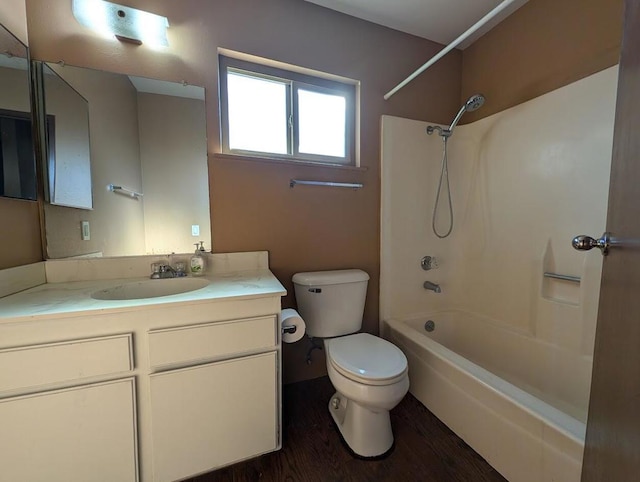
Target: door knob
[{"x": 585, "y": 243}]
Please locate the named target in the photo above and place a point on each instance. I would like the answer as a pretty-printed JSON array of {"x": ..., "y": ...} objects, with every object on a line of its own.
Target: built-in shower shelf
[{"x": 561, "y": 288}]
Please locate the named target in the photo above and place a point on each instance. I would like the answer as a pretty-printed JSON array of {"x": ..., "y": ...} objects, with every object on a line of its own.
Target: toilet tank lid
[{"x": 319, "y": 278}]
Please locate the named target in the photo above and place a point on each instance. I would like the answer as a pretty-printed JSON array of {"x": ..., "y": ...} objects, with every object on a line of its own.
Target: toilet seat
[{"x": 367, "y": 359}]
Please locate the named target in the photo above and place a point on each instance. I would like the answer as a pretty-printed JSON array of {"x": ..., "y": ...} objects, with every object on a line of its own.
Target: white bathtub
[{"x": 525, "y": 432}]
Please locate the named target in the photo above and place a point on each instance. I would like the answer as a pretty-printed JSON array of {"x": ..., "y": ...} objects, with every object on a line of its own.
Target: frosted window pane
[
  {"x": 322, "y": 120},
  {"x": 257, "y": 114}
]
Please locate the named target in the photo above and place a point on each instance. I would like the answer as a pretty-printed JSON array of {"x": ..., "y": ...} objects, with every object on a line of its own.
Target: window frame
[{"x": 295, "y": 81}]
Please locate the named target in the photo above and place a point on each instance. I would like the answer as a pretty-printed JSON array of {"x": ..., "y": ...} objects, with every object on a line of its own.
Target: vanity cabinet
[
  {"x": 83, "y": 430},
  {"x": 139, "y": 390},
  {"x": 211, "y": 414}
]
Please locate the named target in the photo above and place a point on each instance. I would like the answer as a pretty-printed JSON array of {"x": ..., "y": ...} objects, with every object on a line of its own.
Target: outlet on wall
[
  {"x": 86, "y": 231},
  {"x": 195, "y": 230}
]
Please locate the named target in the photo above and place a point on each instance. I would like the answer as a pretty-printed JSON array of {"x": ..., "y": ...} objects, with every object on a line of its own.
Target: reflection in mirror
[
  {"x": 68, "y": 152},
  {"x": 17, "y": 159},
  {"x": 147, "y": 136}
]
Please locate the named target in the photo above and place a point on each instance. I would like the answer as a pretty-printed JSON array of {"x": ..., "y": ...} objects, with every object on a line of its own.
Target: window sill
[{"x": 286, "y": 162}]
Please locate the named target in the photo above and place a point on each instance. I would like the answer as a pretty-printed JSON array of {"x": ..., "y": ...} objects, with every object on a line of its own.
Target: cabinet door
[
  {"x": 86, "y": 433},
  {"x": 213, "y": 415}
]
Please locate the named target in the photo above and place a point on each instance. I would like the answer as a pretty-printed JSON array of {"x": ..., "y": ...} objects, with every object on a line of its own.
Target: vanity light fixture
[{"x": 125, "y": 23}]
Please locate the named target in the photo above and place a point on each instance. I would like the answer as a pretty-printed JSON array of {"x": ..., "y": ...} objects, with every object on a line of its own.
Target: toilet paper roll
[{"x": 290, "y": 317}]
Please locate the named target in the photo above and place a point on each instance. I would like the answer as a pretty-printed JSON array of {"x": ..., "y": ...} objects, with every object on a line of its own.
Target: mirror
[
  {"x": 148, "y": 168},
  {"x": 17, "y": 159},
  {"x": 67, "y": 137}
]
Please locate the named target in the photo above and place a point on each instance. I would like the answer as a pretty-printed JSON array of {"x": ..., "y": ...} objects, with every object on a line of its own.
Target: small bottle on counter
[{"x": 197, "y": 260}]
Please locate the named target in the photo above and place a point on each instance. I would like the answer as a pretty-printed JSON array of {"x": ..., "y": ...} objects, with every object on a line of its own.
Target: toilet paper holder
[{"x": 289, "y": 329}]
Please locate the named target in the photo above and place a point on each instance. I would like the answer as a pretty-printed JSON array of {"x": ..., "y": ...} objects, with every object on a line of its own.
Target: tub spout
[{"x": 428, "y": 285}]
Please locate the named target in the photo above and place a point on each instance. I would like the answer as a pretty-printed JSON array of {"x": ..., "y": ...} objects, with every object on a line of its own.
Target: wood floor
[{"x": 425, "y": 449}]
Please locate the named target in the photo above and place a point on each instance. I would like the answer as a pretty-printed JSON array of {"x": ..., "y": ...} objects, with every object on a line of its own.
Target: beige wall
[
  {"x": 14, "y": 89},
  {"x": 116, "y": 222},
  {"x": 542, "y": 46},
  {"x": 252, "y": 206},
  {"x": 13, "y": 16},
  {"x": 21, "y": 244},
  {"x": 175, "y": 181}
]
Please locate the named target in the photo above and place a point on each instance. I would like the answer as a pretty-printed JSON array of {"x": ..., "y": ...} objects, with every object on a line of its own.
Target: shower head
[{"x": 473, "y": 103}]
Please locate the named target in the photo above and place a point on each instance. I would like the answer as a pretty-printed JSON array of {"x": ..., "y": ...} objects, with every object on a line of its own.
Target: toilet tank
[{"x": 331, "y": 302}]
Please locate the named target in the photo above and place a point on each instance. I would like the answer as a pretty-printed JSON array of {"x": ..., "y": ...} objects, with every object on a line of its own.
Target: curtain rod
[{"x": 451, "y": 46}]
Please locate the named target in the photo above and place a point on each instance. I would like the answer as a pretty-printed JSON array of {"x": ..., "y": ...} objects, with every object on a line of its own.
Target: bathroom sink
[{"x": 150, "y": 289}]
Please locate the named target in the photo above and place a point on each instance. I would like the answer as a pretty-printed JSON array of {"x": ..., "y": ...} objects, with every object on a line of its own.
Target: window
[{"x": 275, "y": 113}]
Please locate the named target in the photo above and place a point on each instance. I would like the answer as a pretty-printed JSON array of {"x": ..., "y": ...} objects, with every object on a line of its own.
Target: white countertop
[{"x": 57, "y": 300}]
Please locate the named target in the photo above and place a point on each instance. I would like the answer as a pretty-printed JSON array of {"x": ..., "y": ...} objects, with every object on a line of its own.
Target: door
[
  {"x": 85, "y": 433},
  {"x": 612, "y": 447},
  {"x": 207, "y": 416}
]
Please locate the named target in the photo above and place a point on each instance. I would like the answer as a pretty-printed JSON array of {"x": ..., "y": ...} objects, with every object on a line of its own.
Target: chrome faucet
[
  {"x": 163, "y": 271},
  {"x": 428, "y": 285}
]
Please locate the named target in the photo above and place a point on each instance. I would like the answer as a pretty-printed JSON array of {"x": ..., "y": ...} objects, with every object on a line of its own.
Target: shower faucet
[{"x": 428, "y": 285}]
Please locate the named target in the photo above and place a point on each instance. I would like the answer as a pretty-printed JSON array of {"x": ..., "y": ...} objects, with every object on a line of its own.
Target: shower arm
[{"x": 457, "y": 118}]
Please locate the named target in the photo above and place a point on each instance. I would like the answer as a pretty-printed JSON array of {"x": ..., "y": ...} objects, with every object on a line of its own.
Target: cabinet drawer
[
  {"x": 211, "y": 340},
  {"x": 32, "y": 366}
]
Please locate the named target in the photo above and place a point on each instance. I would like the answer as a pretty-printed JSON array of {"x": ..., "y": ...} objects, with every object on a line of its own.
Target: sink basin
[{"x": 150, "y": 289}]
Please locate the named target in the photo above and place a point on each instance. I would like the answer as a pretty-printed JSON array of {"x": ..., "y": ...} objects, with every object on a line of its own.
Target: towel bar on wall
[
  {"x": 124, "y": 190},
  {"x": 352, "y": 185}
]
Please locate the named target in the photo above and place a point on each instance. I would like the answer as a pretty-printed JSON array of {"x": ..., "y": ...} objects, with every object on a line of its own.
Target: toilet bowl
[
  {"x": 369, "y": 374},
  {"x": 370, "y": 377}
]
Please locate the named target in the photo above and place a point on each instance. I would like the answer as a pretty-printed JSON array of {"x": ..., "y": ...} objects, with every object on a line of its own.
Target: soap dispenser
[{"x": 197, "y": 260}]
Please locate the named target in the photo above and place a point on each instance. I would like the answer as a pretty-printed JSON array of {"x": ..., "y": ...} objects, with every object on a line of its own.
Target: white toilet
[{"x": 369, "y": 374}]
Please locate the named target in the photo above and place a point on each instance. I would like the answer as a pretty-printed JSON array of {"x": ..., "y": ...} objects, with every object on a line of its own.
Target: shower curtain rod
[{"x": 450, "y": 47}]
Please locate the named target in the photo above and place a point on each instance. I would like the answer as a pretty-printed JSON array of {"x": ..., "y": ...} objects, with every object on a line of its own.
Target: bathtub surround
[
  {"x": 524, "y": 183},
  {"x": 524, "y": 437}
]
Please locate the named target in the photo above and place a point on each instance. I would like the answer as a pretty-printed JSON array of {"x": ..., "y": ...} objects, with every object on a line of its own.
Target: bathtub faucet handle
[
  {"x": 429, "y": 262},
  {"x": 428, "y": 285}
]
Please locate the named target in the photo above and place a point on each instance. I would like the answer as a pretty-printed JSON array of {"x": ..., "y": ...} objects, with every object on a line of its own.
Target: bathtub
[{"x": 519, "y": 402}]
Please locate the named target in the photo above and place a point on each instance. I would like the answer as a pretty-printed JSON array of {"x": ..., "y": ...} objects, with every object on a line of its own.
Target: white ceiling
[{"x": 439, "y": 20}]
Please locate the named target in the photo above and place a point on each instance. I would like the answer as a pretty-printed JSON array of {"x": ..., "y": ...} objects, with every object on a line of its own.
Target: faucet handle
[{"x": 429, "y": 262}]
